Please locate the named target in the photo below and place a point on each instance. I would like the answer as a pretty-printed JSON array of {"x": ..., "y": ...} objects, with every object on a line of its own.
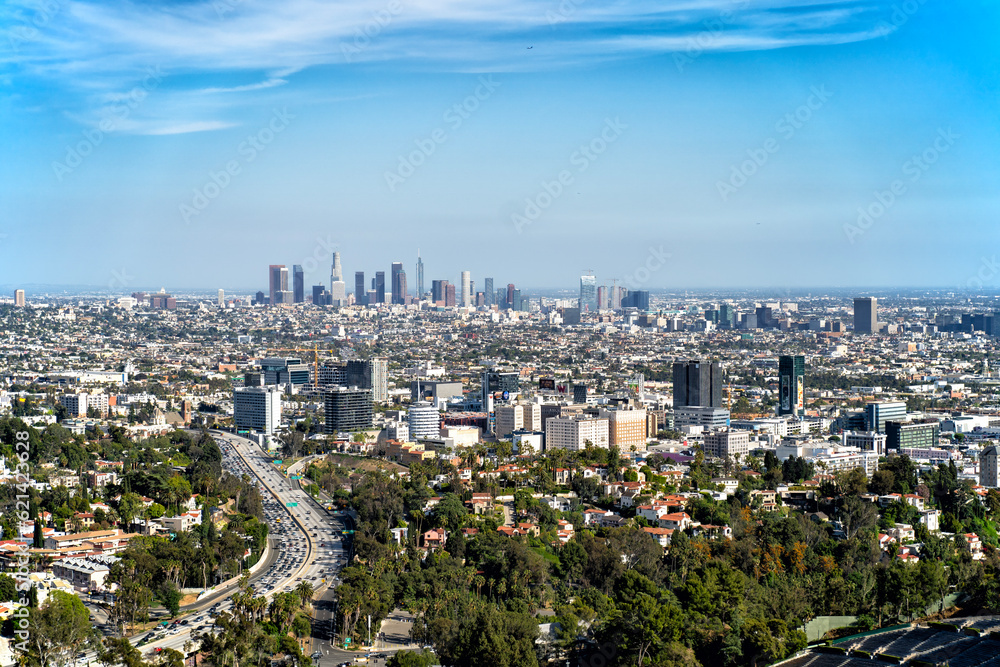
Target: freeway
[{"x": 308, "y": 542}]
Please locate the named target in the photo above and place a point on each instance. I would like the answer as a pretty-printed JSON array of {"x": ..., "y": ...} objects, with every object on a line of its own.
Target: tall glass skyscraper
[
  {"x": 298, "y": 284},
  {"x": 380, "y": 287},
  {"x": 791, "y": 378},
  {"x": 420, "y": 276},
  {"x": 865, "y": 315},
  {"x": 360, "y": 293},
  {"x": 488, "y": 292},
  {"x": 588, "y": 293}
]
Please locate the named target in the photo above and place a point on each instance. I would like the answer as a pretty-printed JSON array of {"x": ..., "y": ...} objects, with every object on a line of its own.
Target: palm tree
[{"x": 305, "y": 592}]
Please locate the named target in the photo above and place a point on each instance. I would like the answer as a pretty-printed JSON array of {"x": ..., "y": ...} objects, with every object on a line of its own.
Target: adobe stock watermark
[
  {"x": 714, "y": 28},
  {"x": 581, "y": 159},
  {"x": 901, "y": 14},
  {"x": 223, "y": 7},
  {"x": 120, "y": 279},
  {"x": 28, "y": 27},
  {"x": 454, "y": 116},
  {"x": 913, "y": 169},
  {"x": 787, "y": 126},
  {"x": 988, "y": 270},
  {"x": 364, "y": 35},
  {"x": 656, "y": 258},
  {"x": 322, "y": 252},
  {"x": 564, "y": 12},
  {"x": 248, "y": 150},
  {"x": 119, "y": 111}
]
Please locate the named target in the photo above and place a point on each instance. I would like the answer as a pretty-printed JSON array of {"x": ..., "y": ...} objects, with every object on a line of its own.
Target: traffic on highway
[{"x": 306, "y": 543}]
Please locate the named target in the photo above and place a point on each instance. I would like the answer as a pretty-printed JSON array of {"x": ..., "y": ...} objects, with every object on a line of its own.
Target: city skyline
[{"x": 803, "y": 143}]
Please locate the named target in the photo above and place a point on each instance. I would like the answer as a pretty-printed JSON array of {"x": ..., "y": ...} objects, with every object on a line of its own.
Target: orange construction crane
[{"x": 300, "y": 349}]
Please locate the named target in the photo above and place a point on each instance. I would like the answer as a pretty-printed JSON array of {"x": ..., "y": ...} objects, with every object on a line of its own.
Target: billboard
[
  {"x": 786, "y": 392},
  {"x": 800, "y": 402},
  {"x": 547, "y": 383}
]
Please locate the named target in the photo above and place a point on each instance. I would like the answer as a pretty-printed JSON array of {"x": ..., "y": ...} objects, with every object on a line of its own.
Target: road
[
  {"x": 307, "y": 544},
  {"x": 308, "y": 541}
]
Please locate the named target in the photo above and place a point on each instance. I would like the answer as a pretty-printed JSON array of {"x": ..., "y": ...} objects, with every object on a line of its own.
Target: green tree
[
  {"x": 58, "y": 629},
  {"x": 411, "y": 659}
]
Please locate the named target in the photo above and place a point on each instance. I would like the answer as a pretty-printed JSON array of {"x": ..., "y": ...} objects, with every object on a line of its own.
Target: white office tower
[
  {"x": 336, "y": 274},
  {"x": 222, "y": 298},
  {"x": 424, "y": 420},
  {"x": 257, "y": 408},
  {"x": 338, "y": 293},
  {"x": 466, "y": 289}
]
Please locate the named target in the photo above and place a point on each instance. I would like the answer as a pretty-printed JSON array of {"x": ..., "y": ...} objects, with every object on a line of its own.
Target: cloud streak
[{"x": 196, "y": 42}]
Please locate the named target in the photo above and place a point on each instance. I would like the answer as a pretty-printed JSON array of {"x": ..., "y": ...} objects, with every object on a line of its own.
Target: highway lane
[{"x": 297, "y": 530}]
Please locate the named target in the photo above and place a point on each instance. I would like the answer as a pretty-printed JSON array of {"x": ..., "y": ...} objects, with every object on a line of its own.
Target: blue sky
[{"x": 524, "y": 140}]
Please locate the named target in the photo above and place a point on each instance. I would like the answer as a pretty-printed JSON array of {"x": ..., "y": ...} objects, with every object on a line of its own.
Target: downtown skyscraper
[
  {"x": 488, "y": 292},
  {"x": 420, "y": 276},
  {"x": 298, "y": 284},
  {"x": 360, "y": 293},
  {"x": 466, "y": 288},
  {"x": 398, "y": 283}
]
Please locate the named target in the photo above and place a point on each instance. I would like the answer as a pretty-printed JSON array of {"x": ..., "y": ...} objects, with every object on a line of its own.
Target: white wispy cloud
[
  {"x": 100, "y": 47},
  {"x": 270, "y": 83},
  {"x": 185, "y": 128}
]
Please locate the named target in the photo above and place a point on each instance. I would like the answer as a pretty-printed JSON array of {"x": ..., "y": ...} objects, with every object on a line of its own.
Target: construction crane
[{"x": 315, "y": 351}]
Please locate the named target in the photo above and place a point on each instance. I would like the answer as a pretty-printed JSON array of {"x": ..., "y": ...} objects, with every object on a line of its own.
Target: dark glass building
[{"x": 697, "y": 383}]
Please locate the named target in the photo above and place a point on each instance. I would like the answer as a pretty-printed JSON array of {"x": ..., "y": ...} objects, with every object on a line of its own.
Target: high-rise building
[
  {"x": 603, "y": 302},
  {"x": 222, "y": 298},
  {"x": 727, "y": 316},
  {"x": 257, "y": 408},
  {"x": 380, "y": 287},
  {"x": 424, "y": 421},
  {"x": 866, "y": 441},
  {"x": 347, "y": 409},
  {"x": 298, "y": 284},
  {"x": 277, "y": 281},
  {"x": 338, "y": 293},
  {"x": 580, "y": 393},
  {"x": 370, "y": 374},
  {"x": 574, "y": 432},
  {"x": 321, "y": 296},
  {"x": 988, "y": 475},
  {"x": 636, "y": 299},
  {"x": 880, "y": 412},
  {"x": 697, "y": 383},
  {"x": 437, "y": 290},
  {"x": 727, "y": 443},
  {"x": 360, "y": 294},
  {"x": 588, "y": 293},
  {"x": 420, "y": 277},
  {"x": 911, "y": 435},
  {"x": 285, "y": 370},
  {"x": 19, "y": 298},
  {"x": 627, "y": 429},
  {"x": 488, "y": 292},
  {"x": 510, "y": 295},
  {"x": 466, "y": 289},
  {"x": 336, "y": 270},
  {"x": 449, "y": 295},
  {"x": 865, "y": 315},
  {"x": 398, "y": 285},
  {"x": 791, "y": 392},
  {"x": 499, "y": 385},
  {"x": 509, "y": 418}
]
